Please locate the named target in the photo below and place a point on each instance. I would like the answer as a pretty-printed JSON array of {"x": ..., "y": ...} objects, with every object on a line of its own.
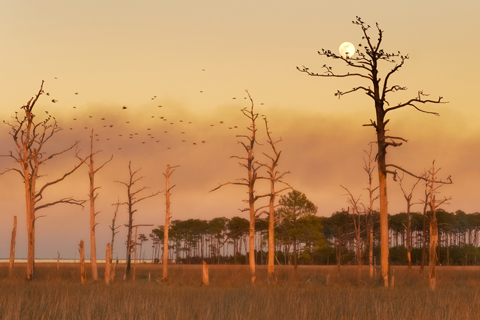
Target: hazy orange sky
[{"x": 197, "y": 58}]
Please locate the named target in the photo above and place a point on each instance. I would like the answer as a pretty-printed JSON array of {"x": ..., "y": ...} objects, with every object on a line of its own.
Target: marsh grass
[{"x": 59, "y": 294}]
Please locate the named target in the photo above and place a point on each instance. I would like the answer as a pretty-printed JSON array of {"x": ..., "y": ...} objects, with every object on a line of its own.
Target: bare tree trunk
[
  {"x": 251, "y": 203},
  {"x": 30, "y": 239},
  {"x": 168, "y": 214},
  {"x": 12, "y": 247},
  {"x": 271, "y": 243},
  {"x": 359, "y": 251},
  {"x": 113, "y": 228},
  {"x": 93, "y": 246},
  {"x": 424, "y": 234},
  {"x": 274, "y": 177},
  {"x": 58, "y": 261},
  {"x": 433, "y": 251},
  {"x": 409, "y": 237},
  {"x": 108, "y": 264},
  {"x": 370, "y": 248},
  {"x": 135, "y": 254},
  {"x": 83, "y": 274},
  {"x": 382, "y": 183}
]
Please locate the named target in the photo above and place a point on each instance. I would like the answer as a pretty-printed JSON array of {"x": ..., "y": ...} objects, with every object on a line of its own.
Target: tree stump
[
  {"x": 83, "y": 274},
  {"x": 12, "y": 247},
  {"x": 205, "y": 277},
  {"x": 108, "y": 264}
]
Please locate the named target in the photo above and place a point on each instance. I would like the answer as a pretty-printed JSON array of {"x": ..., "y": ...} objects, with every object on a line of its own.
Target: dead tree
[
  {"x": 113, "y": 228},
  {"x": 133, "y": 198},
  {"x": 358, "y": 211},
  {"x": 168, "y": 216},
  {"x": 424, "y": 229},
  {"x": 30, "y": 137},
  {"x": 92, "y": 196},
  {"x": 369, "y": 169},
  {"x": 275, "y": 177},
  {"x": 408, "y": 198},
  {"x": 252, "y": 167},
  {"x": 434, "y": 204},
  {"x": 366, "y": 66},
  {"x": 12, "y": 247}
]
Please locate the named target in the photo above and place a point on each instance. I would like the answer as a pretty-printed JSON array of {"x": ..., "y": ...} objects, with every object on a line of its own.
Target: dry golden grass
[{"x": 59, "y": 295}]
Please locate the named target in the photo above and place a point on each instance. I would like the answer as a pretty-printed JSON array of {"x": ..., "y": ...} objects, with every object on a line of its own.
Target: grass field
[{"x": 59, "y": 294}]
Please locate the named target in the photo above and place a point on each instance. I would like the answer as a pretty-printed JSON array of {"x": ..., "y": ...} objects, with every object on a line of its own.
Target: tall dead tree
[
  {"x": 92, "y": 196},
  {"x": 366, "y": 66},
  {"x": 31, "y": 137},
  {"x": 133, "y": 198},
  {"x": 168, "y": 216},
  {"x": 275, "y": 177},
  {"x": 408, "y": 197},
  {"x": 252, "y": 167}
]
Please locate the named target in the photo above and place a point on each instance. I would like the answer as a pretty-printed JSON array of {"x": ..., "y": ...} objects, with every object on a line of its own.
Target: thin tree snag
[
  {"x": 112, "y": 227},
  {"x": 92, "y": 196},
  {"x": 135, "y": 254},
  {"x": 108, "y": 264},
  {"x": 366, "y": 67},
  {"x": 252, "y": 167},
  {"x": 12, "y": 247},
  {"x": 369, "y": 169},
  {"x": 408, "y": 197},
  {"x": 275, "y": 177},
  {"x": 205, "y": 277},
  {"x": 83, "y": 274},
  {"x": 30, "y": 137},
  {"x": 168, "y": 215},
  {"x": 357, "y": 209},
  {"x": 434, "y": 204},
  {"x": 132, "y": 199}
]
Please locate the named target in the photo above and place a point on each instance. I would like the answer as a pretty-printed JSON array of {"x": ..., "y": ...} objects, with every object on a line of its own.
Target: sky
[{"x": 191, "y": 63}]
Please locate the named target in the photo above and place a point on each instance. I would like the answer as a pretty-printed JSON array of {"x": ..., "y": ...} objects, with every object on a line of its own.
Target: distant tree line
[{"x": 318, "y": 240}]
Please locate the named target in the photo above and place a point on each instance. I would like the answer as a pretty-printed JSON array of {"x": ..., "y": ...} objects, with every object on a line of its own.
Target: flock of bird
[{"x": 117, "y": 127}]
